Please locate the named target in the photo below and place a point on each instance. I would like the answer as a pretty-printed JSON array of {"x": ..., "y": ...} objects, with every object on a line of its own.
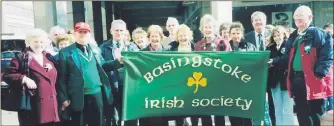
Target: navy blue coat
[
  {"x": 250, "y": 37},
  {"x": 278, "y": 72}
]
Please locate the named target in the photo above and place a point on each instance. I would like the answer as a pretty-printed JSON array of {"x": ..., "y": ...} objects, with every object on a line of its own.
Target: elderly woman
[
  {"x": 140, "y": 40},
  {"x": 155, "y": 36},
  {"x": 183, "y": 43},
  {"x": 224, "y": 31},
  {"x": 210, "y": 42},
  {"x": 39, "y": 81},
  {"x": 237, "y": 38},
  {"x": 184, "y": 37},
  {"x": 238, "y": 44}
]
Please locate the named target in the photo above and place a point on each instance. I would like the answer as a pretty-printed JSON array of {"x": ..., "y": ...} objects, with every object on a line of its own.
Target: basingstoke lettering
[{"x": 197, "y": 61}]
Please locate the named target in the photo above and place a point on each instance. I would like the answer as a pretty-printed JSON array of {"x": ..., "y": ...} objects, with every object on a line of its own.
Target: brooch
[
  {"x": 48, "y": 67},
  {"x": 307, "y": 38},
  {"x": 283, "y": 50},
  {"x": 308, "y": 49},
  {"x": 203, "y": 46}
]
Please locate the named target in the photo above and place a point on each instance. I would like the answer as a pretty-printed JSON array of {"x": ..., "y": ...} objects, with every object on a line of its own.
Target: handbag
[{"x": 18, "y": 97}]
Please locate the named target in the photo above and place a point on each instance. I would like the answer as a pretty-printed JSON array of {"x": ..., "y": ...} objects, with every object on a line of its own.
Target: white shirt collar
[
  {"x": 278, "y": 46},
  {"x": 115, "y": 44},
  {"x": 301, "y": 33},
  {"x": 257, "y": 34}
]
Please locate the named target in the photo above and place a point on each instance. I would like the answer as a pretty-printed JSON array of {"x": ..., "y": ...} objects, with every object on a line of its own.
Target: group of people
[{"x": 81, "y": 83}]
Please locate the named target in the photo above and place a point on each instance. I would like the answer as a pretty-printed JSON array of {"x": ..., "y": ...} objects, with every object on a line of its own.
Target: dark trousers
[
  {"x": 206, "y": 120},
  {"x": 30, "y": 118},
  {"x": 153, "y": 121},
  {"x": 131, "y": 122},
  {"x": 219, "y": 120},
  {"x": 271, "y": 107},
  {"x": 65, "y": 123},
  {"x": 27, "y": 118},
  {"x": 110, "y": 114},
  {"x": 49, "y": 124},
  {"x": 64, "y": 116},
  {"x": 92, "y": 113},
  {"x": 239, "y": 121},
  {"x": 308, "y": 111}
]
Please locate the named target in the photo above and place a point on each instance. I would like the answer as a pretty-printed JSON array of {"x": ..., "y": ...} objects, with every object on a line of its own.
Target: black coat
[
  {"x": 174, "y": 46},
  {"x": 71, "y": 80},
  {"x": 116, "y": 77},
  {"x": 244, "y": 45},
  {"x": 148, "y": 48},
  {"x": 278, "y": 72},
  {"x": 250, "y": 37}
]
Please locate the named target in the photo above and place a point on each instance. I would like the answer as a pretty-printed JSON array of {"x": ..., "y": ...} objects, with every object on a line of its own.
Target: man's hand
[{"x": 65, "y": 104}]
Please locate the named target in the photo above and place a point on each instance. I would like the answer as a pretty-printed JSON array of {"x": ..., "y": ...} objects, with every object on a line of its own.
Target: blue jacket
[
  {"x": 315, "y": 38},
  {"x": 115, "y": 78}
]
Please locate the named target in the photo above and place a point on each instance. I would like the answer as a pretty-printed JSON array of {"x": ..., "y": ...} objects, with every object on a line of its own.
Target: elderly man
[
  {"x": 309, "y": 53},
  {"x": 83, "y": 83},
  {"x": 54, "y": 33},
  {"x": 171, "y": 25},
  {"x": 111, "y": 50}
]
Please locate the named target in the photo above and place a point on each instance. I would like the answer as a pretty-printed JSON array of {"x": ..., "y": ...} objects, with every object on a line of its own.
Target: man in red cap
[{"x": 83, "y": 86}]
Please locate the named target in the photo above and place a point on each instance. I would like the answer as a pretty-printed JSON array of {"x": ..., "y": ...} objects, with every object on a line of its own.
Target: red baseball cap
[{"x": 82, "y": 26}]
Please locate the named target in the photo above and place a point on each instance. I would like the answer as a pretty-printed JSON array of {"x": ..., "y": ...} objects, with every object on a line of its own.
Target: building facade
[{"x": 19, "y": 17}]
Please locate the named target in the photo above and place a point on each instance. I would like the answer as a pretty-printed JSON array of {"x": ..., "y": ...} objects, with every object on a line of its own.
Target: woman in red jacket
[{"x": 40, "y": 80}]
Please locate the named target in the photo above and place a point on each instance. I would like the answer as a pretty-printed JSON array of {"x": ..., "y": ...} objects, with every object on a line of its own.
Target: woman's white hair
[
  {"x": 36, "y": 33},
  {"x": 208, "y": 19},
  {"x": 57, "y": 28}
]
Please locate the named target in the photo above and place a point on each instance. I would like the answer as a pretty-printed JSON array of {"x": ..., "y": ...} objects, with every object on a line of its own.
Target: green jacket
[{"x": 71, "y": 81}]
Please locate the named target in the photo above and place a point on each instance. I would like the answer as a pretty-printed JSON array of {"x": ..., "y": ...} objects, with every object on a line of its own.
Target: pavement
[{"x": 10, "y": 118}]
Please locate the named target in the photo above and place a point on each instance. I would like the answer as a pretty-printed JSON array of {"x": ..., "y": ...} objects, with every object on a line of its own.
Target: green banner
[{"x": 196, "y": 83}]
